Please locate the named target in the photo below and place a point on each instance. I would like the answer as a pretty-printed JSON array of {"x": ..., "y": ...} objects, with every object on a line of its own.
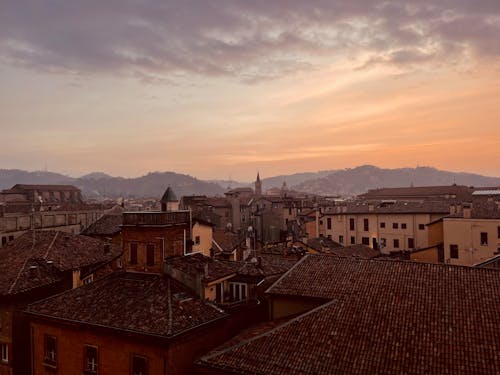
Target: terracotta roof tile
[
  {"x": 387, "y": 317},
  {"x": 63, "y": 251},
  {"x": 144, "y": 303}
]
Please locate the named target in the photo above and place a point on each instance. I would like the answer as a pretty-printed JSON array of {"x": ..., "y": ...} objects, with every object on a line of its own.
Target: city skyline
[{"x": 228, "y": 88}]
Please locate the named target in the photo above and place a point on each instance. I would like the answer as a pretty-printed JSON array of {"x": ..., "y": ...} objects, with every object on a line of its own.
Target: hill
[{"x": 358, "y": 180}]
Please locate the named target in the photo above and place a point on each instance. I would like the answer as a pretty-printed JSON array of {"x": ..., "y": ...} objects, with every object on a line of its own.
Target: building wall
[
  {"x": 14, "y": 225},
  {"x": 466, "y": 234},
  {"x": 114, "y": 351},
  {"x": 340, "y": 229},
  {"x": 205, "y": 232},
  {"x": 430, "y": 255},
  {"x": 167, "y": 241}
]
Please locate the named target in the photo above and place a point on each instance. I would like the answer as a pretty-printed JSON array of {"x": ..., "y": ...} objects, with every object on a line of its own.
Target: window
[
  {"x": 351, "y": 224},
  {"x": 395, "y": 226},
  {"x": 50, "y": 350},
  {"x": 133, "y": 253},
  {"x": 396, "y": 244},
  {"x": 5, "y": 352},
  {"x": 150, "y": 254},
  {"x": 365, "y": 241},
  {"x": 139, "y": 365},
  {"x": 4, "y": 241},
  {"x": 329, "y": 223},
  {"x": 90, "y": 359},
  {"x": 498, "y": 235},
  {"x": 353, "y": 240},
  {"x": 484, "y": 238},
  {"x": 411, "y": 243},
  {"x": 88, "y": 279},
  {"x": 365, "y": 225},
  {"x": 289, "y": 210},
  {"x": 382, "y": 225},
  {"x": 238, "y": 291},
  {"x": 383, "y": 242},
  {"x": 421, "y": 226},
  {"x": 403, "y": 225},
  {"x": 197, "y": 240},
  {"x": 341, "y": 239},
  {"x": 454, "y": 251}
]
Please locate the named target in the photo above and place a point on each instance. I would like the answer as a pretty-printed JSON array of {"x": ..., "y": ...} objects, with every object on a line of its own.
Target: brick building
[
  {"x": 342, "y": 315},
  {"x": 35, "y": 266}
]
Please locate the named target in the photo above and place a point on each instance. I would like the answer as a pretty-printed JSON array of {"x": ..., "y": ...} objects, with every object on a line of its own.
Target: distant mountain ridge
[
  {"x": 354, "y": 181},
  {"x": 98, "y": 184}
]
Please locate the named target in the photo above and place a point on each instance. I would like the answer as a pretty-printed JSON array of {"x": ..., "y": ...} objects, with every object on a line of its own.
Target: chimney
[
  {"x": 33, "y": 271},
  {"x": 371, "y": 207}
]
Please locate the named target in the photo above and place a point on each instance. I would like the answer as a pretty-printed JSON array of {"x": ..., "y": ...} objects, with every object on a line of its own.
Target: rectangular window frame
[
  {"x": 395, "y": 243},
  {"x": 150, "y": 254},
  {"x": 4, "y": 355},
  {"x": 90, "y": 367},
  {"x": 135, "y": 371},
  {"x": 484, "y": 238},
  {"x": 454, "y": 251},
  {"x": 133, "y": 252},
  {"x": 366, "y": 225},
  {"x": 50, "y": 350}
]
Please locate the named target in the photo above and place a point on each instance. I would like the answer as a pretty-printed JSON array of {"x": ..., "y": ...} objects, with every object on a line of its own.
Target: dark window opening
[
  {"x": 365, "y": 241},
  {"x": 90, "y": 360},
  {"x": 396, "y": 244},
  {"x": 365, "y": 225},
  {"x": 351, "y": 224},
  {"x": 484, "y": 238},
  {"x": 395, "y": 226},
  {"x": 411, "y": 243},
  {"x": 150, "y": 254},
  {"x": 421, "y": 226},
  {"x": 139, "y": 365},
  {"x": 454, "y": 251},
  {"x": 403, "y": 226},
  {"x": 382, "y": 225},
  {"x": 353, "y": 240},
  {"x": 133, "y": 253},
  {"x": 50, "y": 350}
]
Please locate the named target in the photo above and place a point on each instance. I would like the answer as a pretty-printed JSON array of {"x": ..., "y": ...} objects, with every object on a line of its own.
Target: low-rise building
[
  {"x": 41, "y": 264},
  {"x": 358, "y": 316}
]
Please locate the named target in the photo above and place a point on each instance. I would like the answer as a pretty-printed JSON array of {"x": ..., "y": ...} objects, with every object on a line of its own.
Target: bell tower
[{"x": 258, "y": 186}]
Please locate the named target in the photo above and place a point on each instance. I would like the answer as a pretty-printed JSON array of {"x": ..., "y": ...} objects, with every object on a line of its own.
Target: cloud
[{"x": 157, "y": 40}]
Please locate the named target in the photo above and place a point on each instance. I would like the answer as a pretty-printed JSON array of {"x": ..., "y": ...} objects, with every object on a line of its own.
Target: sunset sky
[{"x": 226, "y": 88}]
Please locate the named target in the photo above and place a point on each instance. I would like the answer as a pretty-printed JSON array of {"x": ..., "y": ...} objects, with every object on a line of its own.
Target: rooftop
[
  {"x": 104, "y": 226},
  {"x": 52, "y": 252},
  {"x": 388, "y": 317},
  {"x": 195, "y": 264},
  {"x": 143, "y": 303}
]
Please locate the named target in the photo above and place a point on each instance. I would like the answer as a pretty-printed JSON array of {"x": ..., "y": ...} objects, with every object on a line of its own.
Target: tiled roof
[
  {"x": 389, "y": 317},
  {"x": 195, "y": 264},
  {"x": 227, "y": 241},
  {"x": 320, "y": 243},
  {"x": 460, "y": 191},
  {"x": 364, "y": 207},
  {"x": 104, "y": 226},
  {"x": 63, "y": 251},
  {"x": 359, "y": 251},
  {"x": 144, "y": 303},
  {"x": 169, "y": 196}
]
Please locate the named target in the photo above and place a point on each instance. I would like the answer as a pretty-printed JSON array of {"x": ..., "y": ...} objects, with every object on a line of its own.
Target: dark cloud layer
[{"x": 252, "y": 40}]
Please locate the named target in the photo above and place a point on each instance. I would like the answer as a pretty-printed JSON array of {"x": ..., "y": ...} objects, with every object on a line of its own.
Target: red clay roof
[
  {"x": 144, "y": 303},
  {"x": 63, "y": 251},
  {"x": 389, "y": 317}
]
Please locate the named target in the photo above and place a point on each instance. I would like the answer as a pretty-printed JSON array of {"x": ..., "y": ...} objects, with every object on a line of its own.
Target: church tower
[{"x": 258, "y": 186}]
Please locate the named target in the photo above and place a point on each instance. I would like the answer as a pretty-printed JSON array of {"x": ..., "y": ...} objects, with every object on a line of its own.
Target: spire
[
  {"x": 169, "y": 201},
  {"x": 258, "y": 185}
]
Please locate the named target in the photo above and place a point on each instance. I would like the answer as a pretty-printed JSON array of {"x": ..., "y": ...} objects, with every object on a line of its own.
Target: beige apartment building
[{"x": 385, "y": 225}]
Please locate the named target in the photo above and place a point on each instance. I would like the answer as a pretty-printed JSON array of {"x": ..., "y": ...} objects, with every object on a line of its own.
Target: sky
[{"x": 226, "y": 88}]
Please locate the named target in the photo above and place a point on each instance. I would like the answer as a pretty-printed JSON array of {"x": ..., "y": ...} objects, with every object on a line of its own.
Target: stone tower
[{"x": 258, "y": 186}]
